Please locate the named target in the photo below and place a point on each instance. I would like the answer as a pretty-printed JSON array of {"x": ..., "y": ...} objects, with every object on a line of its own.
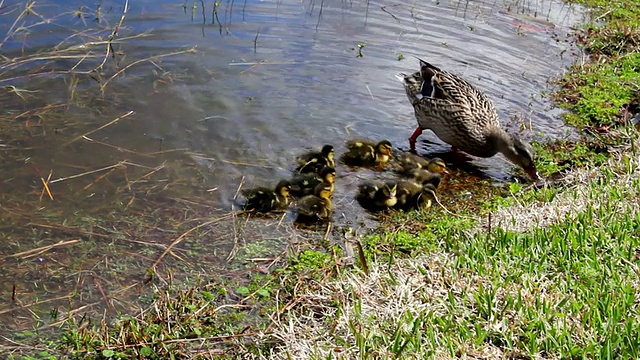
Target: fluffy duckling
[
  {"x": 305, "y": 184},
  {"x": 367, "y": 153},
  {"x": 405, "y": 162},
  {"x": 316, "y": 207},
  {"x": 411, "y": 195},
  {"x": 423, "y": 176},
  {"x": 376, "y": 196},
  {"x": 263, "y": 199},
  {"x": 314, "y": 161}
]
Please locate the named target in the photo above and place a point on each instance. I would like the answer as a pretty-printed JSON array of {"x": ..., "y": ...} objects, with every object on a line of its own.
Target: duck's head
[
  {"x": 437, "y": 166},
  {"x": 384, "y": 147},
  {"x": 283, "y": 188},
  {"x": 521, "y": 153},
  {"x": 389, "y": 192},
  {"x": 328, "y": 152},
  {"x": 324, "y": 191},
  {"x": 328, "y": 174}
]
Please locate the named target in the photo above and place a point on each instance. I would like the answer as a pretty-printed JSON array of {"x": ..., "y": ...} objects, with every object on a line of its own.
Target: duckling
[
  {"x": 317, "y": 207},
  {"x": 412, "y": 195},
  {"x": 405, "y": 162},
  {"x": 376, "y": 196},
  {"x": 367, "y": 153},
  {"x": 423, "y": 176},
  {"x": 314, "y": 162},
  {"x": 305, "y": 184},
  {"x": 263, "y": 199}
]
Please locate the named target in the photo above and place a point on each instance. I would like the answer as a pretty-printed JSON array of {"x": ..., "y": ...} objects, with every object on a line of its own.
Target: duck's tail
[{"x": 412, "y": 85}]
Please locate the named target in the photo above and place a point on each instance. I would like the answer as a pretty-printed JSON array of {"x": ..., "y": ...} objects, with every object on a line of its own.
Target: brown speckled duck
[
  {"x": 462, "y": 116},
  {"x": 364, "y": 152}
]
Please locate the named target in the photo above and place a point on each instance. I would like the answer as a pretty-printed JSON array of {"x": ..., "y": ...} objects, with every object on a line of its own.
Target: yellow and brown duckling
[
  {"x": 314, "y": 161},
  {"x": 412, "y": 195},
  {"x": 376, "y": 196},
  {"x": 367, "y": 153},
  {"x": 316, "y": 207},
  {"x": 305, "y": 184},
  {"x": 405, "y": 162},
  {"x": 263, "y": 199},
  {"x": 423, "y": 176}
]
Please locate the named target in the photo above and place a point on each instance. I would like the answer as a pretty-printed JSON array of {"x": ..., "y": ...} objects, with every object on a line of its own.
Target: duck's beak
[{"x": 533, "y": 173}]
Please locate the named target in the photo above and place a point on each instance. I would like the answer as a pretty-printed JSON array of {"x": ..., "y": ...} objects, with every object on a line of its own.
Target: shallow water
[{"x": 268, "y": 80}]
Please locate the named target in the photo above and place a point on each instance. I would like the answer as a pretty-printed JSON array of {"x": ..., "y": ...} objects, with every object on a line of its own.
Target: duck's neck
[
  {"x": 502, "y": 142},
  {"x": 506, "y": 145}
]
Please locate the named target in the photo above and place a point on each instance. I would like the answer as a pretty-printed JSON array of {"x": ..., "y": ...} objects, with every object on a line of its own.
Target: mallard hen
[
  {"x": 462, "y": 116},
  {"x": 364, "y": 152},
  {"x": 314, "y": 161},
  {"x": 263, "y": 199}
]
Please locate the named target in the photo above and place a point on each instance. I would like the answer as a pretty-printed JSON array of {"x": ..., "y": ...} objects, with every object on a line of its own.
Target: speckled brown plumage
[{"x": 462, "y": 116}]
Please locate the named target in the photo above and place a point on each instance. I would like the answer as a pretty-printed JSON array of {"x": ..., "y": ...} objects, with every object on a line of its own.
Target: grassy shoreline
[{"x": 552, "y": 275}]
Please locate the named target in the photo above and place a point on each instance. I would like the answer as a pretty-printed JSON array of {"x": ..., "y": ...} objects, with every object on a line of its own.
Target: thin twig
[
  {"x": 100, "y": 128},
  {"x": 113, "y": 35},
  {"x": 34, "y": 252},
  {"x": 104, "y": 85},
  {"x": 121, "y": 163},
  {"x": 45, "y": 183}
]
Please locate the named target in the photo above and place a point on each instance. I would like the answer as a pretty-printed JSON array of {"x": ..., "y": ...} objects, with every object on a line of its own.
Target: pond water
[{"x": 267, "y": 80}]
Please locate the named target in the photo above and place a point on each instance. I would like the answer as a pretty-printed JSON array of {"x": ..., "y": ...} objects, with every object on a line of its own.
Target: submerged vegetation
[{"x": 539, "y": 273}]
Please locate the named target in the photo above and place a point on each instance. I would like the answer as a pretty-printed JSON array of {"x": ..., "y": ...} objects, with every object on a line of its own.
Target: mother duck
[{"x": 462, "y": 116}]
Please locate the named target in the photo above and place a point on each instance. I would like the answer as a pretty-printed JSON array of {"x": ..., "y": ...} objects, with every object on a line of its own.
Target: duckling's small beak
[{"x": 445, "y": 171}]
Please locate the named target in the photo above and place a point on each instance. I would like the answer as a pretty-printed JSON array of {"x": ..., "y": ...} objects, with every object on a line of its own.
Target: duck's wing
[{"x": 444, "y": 85}]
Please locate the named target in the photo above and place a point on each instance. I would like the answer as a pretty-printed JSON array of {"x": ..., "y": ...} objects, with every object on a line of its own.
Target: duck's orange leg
[{"x": 412, "y": 139}]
